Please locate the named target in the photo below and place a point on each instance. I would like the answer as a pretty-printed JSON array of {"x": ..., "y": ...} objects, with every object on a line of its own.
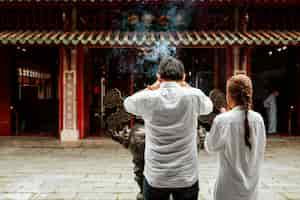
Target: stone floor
[{"x": 101, "y": 169}]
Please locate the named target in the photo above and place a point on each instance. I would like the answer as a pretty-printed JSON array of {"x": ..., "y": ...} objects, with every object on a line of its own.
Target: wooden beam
[
  {"x": 236, "y": 49},
  {"x": 216, "y": 68},
  {"x": 117, "y": 3},
  {"x": 74, "y": 18}
]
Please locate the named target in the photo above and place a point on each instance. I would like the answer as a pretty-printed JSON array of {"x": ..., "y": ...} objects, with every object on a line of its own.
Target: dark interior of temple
[
  {"x": 276, "y": 68},
  {"x": 122, "y": 69},
  {"x": 35, "y": 86}
]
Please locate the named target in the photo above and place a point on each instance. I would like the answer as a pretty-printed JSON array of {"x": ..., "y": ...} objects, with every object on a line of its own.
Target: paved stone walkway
[{"x": 102, "y": 169}]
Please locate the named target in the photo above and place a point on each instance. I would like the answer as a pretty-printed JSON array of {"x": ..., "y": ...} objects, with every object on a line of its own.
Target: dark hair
[
  {"x": 171, "y": 69},
  {"x": 240, "y": 90},
  {"x": 218, "y": 99}
]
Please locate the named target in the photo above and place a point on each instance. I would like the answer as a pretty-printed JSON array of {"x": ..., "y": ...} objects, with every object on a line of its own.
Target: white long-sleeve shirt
[
  {"x": 170, "y": 114},
  {"x": 239, "y": 168}
]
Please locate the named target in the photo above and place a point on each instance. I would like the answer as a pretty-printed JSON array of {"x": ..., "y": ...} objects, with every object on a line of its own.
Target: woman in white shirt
[{"x": 239, "y": 138}]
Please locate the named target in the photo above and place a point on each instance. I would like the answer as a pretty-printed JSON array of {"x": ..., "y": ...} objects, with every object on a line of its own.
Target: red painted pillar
[
  {"x": 248, "y": 61},
  {"x": 229, "y": 62},
  {"x": 298, "y": 100},
  {"x": 298, "y": 115},
  {"x": 62, "y": 54},
  {"x": 80, "y": 92},
  {"x": 5, "y": 94},
  {"x": 216, "y": 69},
  {"x": 69, "y": 98}
]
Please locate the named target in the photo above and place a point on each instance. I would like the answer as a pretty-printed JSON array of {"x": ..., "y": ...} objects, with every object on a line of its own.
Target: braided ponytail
[
  {"x": 247, "y": 130},
  {"x": 240, "y": 89}
]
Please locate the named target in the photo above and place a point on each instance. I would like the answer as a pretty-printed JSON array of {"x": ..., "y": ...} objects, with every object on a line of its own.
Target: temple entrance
[
  {"x": 105, "y": 69},
  {"x": 122, "y": 68},
  {"x": 35, "y": 97},
  {"x": 276, "y": 68}
]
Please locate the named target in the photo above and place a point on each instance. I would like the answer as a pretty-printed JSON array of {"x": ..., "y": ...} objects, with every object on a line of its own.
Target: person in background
[
  {"x": 218, "y": 99},
  {"x": 170, "y": 108},
  {"x": 238, "y": 136},
  {"x": 270, "y": 103}
]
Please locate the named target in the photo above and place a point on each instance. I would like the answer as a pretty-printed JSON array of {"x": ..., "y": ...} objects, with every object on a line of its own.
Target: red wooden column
[
  {"x": 216, "y": 69},
  {"x": 5, "y": 94},
  {"x": 298, "y": 99},
  {"x": 62, "y": 54},
  {"x": 68, "y": 98},
  {"x": 247, "y": 58},
  {"x": 69, "y": 101},
  {"x": 229, "y": 62},
  {"x": 298, "y": 113},
  {"x": 235, "y": 49},
  {"x": 80, "y": 92}
]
